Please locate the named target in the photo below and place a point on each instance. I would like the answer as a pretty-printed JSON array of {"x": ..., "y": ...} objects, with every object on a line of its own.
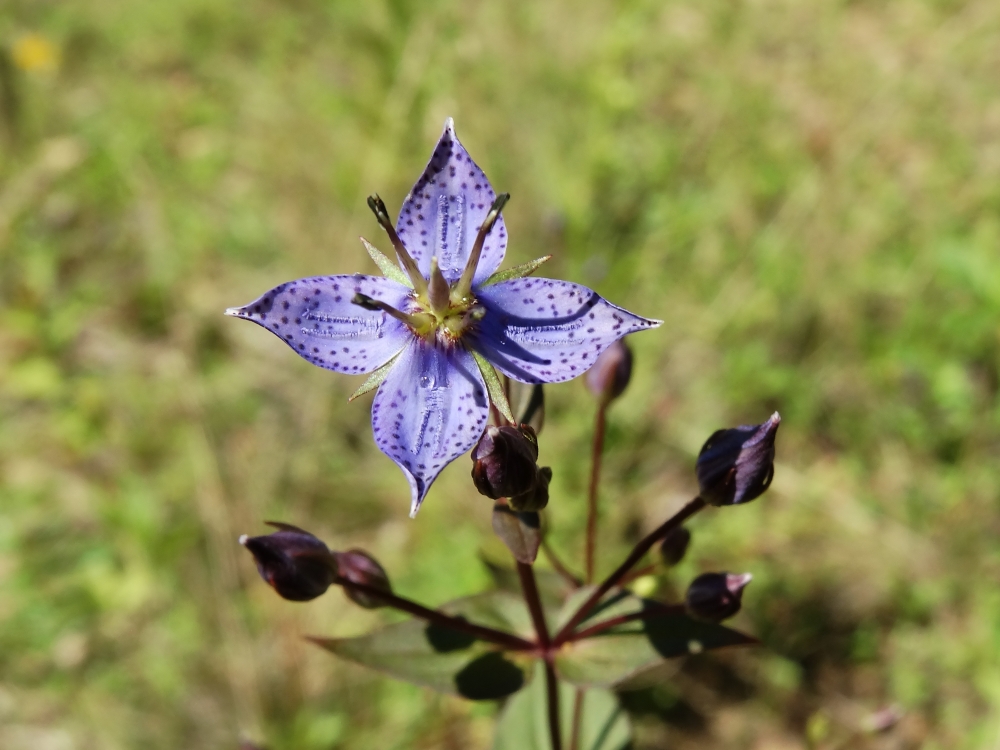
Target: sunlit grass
[{"x": 807, "y": 193}]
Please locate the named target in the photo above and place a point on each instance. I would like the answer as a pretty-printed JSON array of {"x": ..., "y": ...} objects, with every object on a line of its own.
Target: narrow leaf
[
  {"x": 374, "y": 380},
  {"x": 521, "y": 532},
  {"x": 524, "y": 725},
  {"x": 494, "y": 386},
  {"x": 443, "y": 659},
  {"x": 624, "y": 654},
  {"x": 517, "y": 272},
  {"x": 527, "y": 402},
  {"x": 389, "y": 269}
]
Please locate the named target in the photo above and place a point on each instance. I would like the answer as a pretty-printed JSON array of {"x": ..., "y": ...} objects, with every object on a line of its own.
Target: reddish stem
[
  {"x": 574, "y": 738},
  {"x": 507, "y": 640},
  {"x": 644, "y": 571},
  {"x": 614, "y": 622},
  {"x": 597, "y": 450},
  {"x": 552, "y": 693},
  {"x": 558, "y": 566},
  {"x": 634, "y": 556},
  {"x": 534, "y": 602}
]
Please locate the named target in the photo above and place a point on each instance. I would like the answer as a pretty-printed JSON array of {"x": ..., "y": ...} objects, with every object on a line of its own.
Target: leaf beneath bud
[
  {"x": 527, "y": 401},
  {"x": 524, "y": 724},
  {"x": 627, "y": 654},
  {"x": 521, "y": 532},
  {"x": 447, "y": 660}
]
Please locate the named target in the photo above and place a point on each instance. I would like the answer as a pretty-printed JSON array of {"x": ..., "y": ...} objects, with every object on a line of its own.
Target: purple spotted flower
[{"x": 431, "y": 331}]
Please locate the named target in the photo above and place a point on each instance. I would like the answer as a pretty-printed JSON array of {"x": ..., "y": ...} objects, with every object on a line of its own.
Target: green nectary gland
[{"x": 453, "y": 321}]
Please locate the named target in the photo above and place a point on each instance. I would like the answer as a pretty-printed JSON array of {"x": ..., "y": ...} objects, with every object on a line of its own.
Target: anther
[
  {"x": 420, "y": 323},
  {"x": 377, "y": 206},
  {"x": 464, "y": 286}
]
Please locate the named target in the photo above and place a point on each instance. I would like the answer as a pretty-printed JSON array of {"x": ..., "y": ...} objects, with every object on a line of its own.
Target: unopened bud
[
  {"x": 675, "y": 545},
  {"x": 610, "y": 375},
  {"x": 503, "y": 461},
  {"x": 294, "y": 562},
  {"x": 537, "y": 497},
  {"x": 357, "y": 566},
  {"x": 735, "y": 466},
  {"x": 716, "y": 596}
]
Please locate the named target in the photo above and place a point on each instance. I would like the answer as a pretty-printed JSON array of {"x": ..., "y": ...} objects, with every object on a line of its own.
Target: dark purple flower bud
[
  {"x": 537, "y": 497},
  {"x": 357, "y": 566},
  {"x": 610, "y": 375},
  {"x": 735, "y": 466},
  {"x": 296, "y": 564},
  {"x": 716, "y": 596},
  {"x": 675, "y": 545},
  {"x": 503, "y": 461}
]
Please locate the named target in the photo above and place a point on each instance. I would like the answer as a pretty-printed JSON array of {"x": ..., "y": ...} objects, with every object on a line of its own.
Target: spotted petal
[
  {"x": 315, "y": 317},
  {"x": 444, "y": 210},
  {"x": 548, "y": 331},
  {"x": 430, "y": 410}
]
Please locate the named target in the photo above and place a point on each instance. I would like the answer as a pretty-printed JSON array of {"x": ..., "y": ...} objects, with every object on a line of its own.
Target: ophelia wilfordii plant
[
  {"x": 432, "y": 334},
  {"x": 432, "y": 330}
]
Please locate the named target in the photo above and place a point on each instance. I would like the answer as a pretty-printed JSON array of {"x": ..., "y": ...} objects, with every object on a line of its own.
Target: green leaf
[
  {"x": 630, "y": 653},
  {"x": 389, "y": 269},
  {"x": 521, "y": 532},
  {"x": 447, "y": 660},
  {"x": 517, "y": 272},
  {"x": 493, "y": 386},
  {"x": 524, "y": 724},
  {"x": 374, "y": 380},
  {"x": 527, "y": 401},
  {"x": 552, "y": 587}
]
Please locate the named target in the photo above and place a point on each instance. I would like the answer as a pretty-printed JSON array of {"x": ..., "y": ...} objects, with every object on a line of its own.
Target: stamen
[
  {"x": 382, "y": 216},
  {"x": 438, "y": 291},
  {"x": 464, "y": 286},
  {"x": 420, "y": 323}
]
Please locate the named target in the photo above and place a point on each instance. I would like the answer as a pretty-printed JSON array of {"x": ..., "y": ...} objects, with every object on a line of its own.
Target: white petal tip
[
  {"x": 449, "y": 124},
  {"x": 243, "y": 539},
  {"x": 233, "y": 312},
  {"x": 775, "y": 419}
]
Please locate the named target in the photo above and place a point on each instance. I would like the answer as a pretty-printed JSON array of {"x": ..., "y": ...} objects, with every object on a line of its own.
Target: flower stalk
[{"x": 640, "y": 549}]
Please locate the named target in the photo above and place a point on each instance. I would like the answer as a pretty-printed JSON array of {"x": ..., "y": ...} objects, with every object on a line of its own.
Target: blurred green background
[{"x": 808, "y": 193}]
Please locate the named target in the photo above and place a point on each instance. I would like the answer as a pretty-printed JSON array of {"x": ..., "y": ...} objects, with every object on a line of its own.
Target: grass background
[{"x": 808, "y": 193}]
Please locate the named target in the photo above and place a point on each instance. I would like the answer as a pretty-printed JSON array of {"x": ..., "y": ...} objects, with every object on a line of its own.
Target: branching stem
[
  {"x": 597, "y": 451},
  {"x": 558, "y": 566},
  {"x": 647, "y": 614},
  {"x": 635, "y": 555},
  {"x": 499, "y": 637},
  {"x": 552, "y": 693},
  {"x": 534, "y": 602}
]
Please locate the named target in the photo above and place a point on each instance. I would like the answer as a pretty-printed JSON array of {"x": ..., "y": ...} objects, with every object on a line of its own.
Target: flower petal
[
  {"x": 316, "y": 318},
  {"x": 430, "y": 410},
  {"x": 444, "y": 210},
  {"x": 548, "y": 331}
]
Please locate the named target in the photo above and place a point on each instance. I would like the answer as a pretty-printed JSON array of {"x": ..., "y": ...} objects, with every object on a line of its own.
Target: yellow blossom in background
[{"x": 33, "y": 52}]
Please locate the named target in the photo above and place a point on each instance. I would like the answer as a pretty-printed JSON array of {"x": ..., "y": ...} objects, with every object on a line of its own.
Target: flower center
[{"x": 439, "y": 309}]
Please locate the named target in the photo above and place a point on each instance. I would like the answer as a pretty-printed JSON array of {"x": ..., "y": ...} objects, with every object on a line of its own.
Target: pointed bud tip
[
  {"x": 736, "y": 582},
  {"x": 243, "y": 540},
  {"x": 234, "y": 312}
]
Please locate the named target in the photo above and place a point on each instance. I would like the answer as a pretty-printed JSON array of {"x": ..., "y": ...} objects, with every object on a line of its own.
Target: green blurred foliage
[{"x": 807, "y": 193}]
